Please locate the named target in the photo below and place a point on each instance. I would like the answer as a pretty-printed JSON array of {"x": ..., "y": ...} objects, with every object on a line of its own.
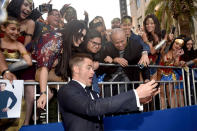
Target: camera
[
  {"x": 141, "y": 66},
  {"x": 45, "y": 8}
]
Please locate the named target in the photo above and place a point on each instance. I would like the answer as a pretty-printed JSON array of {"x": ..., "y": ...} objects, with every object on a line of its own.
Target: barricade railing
[
  {"x": 36, "y": 95},
  {"x": 109, "y": 89},
  {"x": 182, "y": 95},
  {"x": 194, "y": 84},
  {"x": 15, "y": 60}
]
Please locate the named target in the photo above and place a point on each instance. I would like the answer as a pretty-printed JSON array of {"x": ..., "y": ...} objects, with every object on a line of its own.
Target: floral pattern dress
[{"x": 48, "y": 49}]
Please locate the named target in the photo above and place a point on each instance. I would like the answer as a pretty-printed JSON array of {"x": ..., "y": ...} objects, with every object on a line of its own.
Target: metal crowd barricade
[
  {"x": 58, "y": 84},
  {"x": 15, "y": 60},
  {"x": 169, "y": 102},
  {"x": 189, "y": 90},
  {"x": 194, "y": 84}
]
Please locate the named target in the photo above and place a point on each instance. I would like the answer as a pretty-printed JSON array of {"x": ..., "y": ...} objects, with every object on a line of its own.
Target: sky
[{"x": 108, "y": 9}]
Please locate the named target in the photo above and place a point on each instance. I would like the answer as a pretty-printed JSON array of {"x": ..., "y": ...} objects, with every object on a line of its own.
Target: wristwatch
[{"x": 44, "y": 92}]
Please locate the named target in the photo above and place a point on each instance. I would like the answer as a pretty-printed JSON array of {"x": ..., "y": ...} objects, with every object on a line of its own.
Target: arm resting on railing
[{"x": 19, "y": 65}]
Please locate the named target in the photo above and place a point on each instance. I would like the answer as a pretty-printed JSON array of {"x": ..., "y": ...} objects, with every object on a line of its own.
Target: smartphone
[
  {"x": 45, "y": 8},
  {"x": 173, "y": 29},
  {"x": 163, "y": 34},
  {"x": 158, "y": 85}
]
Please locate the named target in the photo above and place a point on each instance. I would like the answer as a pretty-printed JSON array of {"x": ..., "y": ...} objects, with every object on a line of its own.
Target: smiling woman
[{"x": 22, "y": 11}]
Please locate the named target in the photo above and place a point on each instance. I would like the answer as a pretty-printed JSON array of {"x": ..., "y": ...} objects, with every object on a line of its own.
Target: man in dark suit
[
  {"x": 4, "y": 97},
  {"x": 81, "y": 109}
]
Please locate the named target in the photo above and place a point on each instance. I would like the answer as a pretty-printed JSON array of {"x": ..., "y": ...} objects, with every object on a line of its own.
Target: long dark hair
[
  {"x": 14, "y": 9},
  {"x": 157, "y": 27},
  {"x": 188, "y": 55},
  {"x": 72, "y": 30},
  {"x": 185, "y": 44}
]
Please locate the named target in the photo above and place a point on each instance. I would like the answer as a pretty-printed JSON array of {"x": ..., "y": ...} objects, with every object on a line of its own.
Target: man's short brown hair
[
  {"x": 53, "y": 10},
  {"x": 77, "y": 58},
  {"x": 3, "y": 83}
]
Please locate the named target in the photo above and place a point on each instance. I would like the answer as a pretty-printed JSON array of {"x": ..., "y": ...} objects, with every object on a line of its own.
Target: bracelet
[
  {"x": 144, "y": 52},
  {"x": 44, "y": 92},
  {"x": 24, "y": 53},
  {"x": 5, "y": 71}
]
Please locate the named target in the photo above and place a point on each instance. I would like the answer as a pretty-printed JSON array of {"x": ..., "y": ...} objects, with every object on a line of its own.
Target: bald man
[{"x": 125, "y": 53}]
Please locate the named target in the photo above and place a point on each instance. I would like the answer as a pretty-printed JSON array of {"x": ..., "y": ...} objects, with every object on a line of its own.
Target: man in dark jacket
[
  {"x": 81, "y": 108},
  {"x": 4, "y": 96},
  {"x": 124, "y": 53},
  {"x": 127, "y": 25}
]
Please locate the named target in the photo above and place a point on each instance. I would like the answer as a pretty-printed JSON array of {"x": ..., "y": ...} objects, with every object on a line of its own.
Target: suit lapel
[{"x": 77, "y": 86}]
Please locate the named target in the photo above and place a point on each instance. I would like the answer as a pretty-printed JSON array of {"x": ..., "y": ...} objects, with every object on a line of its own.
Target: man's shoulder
[
  {"x": 134, "y": 36},
  {"x": 70, "y": 85},
  {"x": 68, "y": 89},
  {"x": 8, "y": 92}
]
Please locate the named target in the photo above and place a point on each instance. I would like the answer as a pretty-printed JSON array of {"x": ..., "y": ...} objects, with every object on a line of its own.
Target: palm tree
[{"x": 175, "y": 12}]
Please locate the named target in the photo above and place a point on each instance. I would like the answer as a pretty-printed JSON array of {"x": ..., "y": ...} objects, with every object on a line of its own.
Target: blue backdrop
[{"x": 179, "y": 119}]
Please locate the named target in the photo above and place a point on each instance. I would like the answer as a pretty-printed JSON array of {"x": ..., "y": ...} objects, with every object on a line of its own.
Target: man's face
[
  {"x": 119, "y": 40},
  {"x": 2, "y": 87},
  {"x": 126, "y": 26},
  {"x": 54, "y": 18},
  {"x": 116, "y": 24},
  {"x": 86, "y": 72}
]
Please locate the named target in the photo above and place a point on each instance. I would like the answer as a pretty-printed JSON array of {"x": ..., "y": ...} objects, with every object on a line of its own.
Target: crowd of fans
[{"x": 52, "y": 42}]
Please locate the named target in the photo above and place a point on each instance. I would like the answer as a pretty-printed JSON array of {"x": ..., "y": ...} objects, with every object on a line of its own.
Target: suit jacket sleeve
[
  {"x": 14, "y": 100},
  {"x": 75, "y": 101},
  {"x": 144, "y": 45}
]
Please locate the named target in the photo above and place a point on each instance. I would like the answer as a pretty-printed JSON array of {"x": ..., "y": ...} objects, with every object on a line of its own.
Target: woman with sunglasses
[{"x": 54, "y": 49}]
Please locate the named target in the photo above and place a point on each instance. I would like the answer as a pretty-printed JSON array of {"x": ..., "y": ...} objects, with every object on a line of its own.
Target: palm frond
[
  {"x": 192, "y": 26},
  {"x": 151, "y": 6},
  {"x": 160, "y": 12}
]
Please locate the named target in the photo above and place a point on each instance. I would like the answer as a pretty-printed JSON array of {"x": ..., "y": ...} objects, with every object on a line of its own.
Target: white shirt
[
  {"x": 84, "y": 86},
  {"x": 136, "y": 95}
]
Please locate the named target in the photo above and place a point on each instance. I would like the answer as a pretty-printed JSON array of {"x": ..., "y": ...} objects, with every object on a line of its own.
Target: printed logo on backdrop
[{"x": 10, "y": 98}]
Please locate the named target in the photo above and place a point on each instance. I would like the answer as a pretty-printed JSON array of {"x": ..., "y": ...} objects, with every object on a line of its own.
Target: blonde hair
[{"x": 11, "y": 20}]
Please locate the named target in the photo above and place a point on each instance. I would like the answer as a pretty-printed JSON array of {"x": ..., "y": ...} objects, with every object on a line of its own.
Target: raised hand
[{"x": 147, "y": 90}]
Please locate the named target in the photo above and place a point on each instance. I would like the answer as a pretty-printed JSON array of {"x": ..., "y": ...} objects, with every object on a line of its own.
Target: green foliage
[{"x": 170, "y": 10}]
